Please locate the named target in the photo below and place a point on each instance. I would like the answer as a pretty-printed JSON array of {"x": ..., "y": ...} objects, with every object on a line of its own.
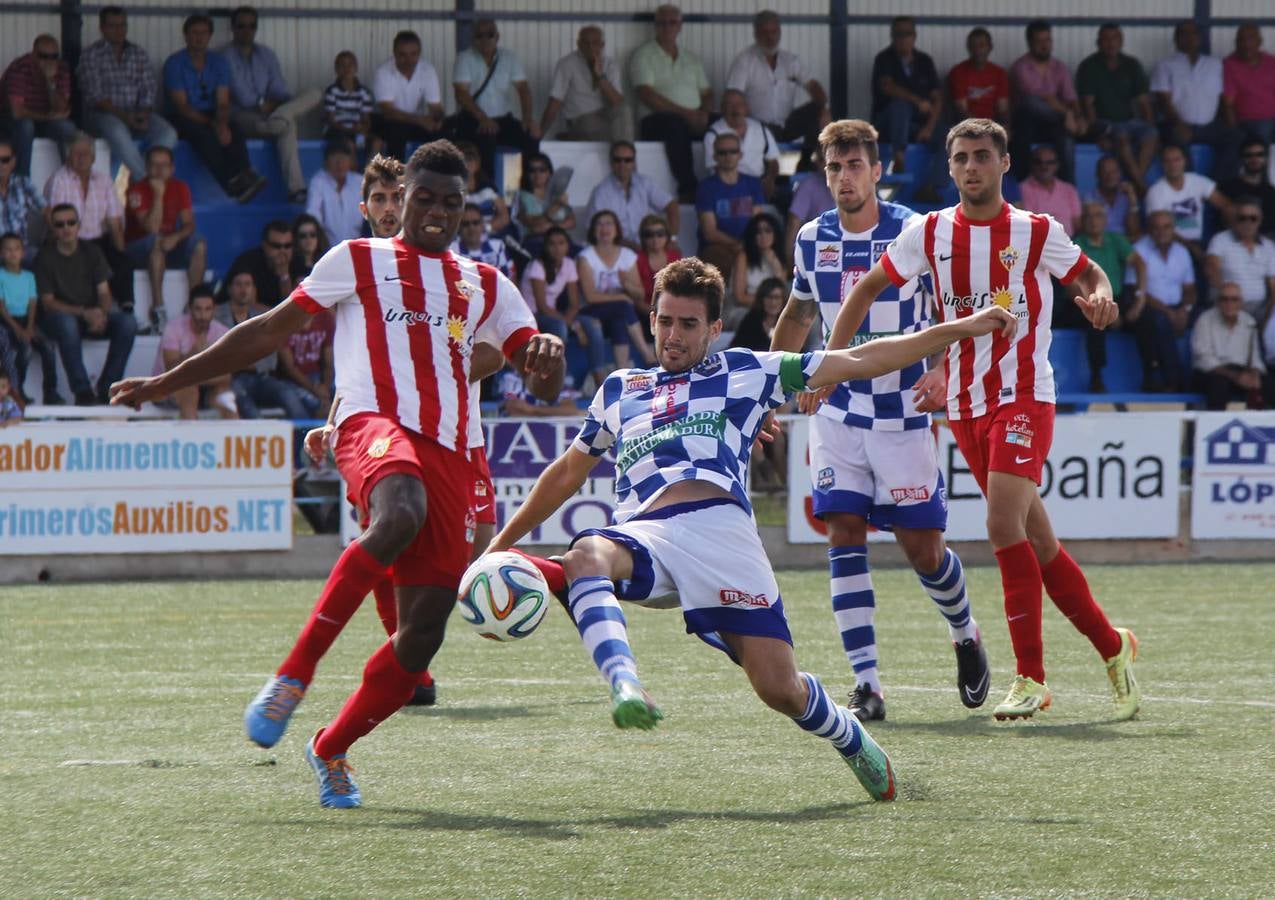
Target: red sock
[
  {"x": 386, "y": 605},
  {"x": 551, "y": 570},
  {"x": 386, "y": 687},
  {"x": 1020, "y": 579},
  {"x": 1070, "y": 592},
  {"x": 352, "y": 577}
]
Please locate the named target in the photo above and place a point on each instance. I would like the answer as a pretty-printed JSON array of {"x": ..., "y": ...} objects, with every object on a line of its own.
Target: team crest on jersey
[
  {"x": 635, "y": 383},
  {"x": 710, "y": 366},
  {"x": 379, "y": 448},
  {"x": 1008, "y": 257},
  {"x": 879, "y": 248},
  {"x": 466, "y": 289},
  {"x": 827, "y": 257},
  {"x": 825, "y": 479}
]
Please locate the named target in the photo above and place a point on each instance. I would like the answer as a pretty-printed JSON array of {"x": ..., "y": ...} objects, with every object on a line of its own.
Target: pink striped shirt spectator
[
  {"x": 1054, "y": 80},
  {"x": 95, "y": 206}
]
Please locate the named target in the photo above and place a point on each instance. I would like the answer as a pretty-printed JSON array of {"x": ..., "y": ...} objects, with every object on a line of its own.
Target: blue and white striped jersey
[
  {"x": 827, "y": 262},
  {"x": 694, "y": 425}
]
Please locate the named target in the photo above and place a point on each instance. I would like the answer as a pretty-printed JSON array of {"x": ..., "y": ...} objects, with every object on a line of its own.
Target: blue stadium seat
[{"x": 1087, "y": 156}]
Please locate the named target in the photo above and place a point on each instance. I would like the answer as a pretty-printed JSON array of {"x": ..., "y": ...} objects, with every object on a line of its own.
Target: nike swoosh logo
[
  {"x": 393, "y": 277},
  {"x": 980, "y": 689},
  {"x": 322, "y": 618},
  {"x": 945, "y": 258},
  {"x": 1022, "y": 459},
  {"x": 481, "y": 508},
  {"x": 1017, "y": 617}
]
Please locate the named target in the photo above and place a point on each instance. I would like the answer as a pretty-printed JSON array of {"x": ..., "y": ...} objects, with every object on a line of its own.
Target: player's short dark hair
[
  {"x": 197, "y": 19},
  {"x": 765, "y": 17},
  {"x": 973, "y": 129},
  {"x": 692, "y": 277},
  {"x": 64, "y": 207},
  {"x": 107, "y": 12},
  {"x": 407, "y": 37},
  {"x": 980, "y": 31},
  {"x": 845, "y": 135},
  {"x": 336, "y": 145},
  {"x": 243, "y": 11},
  {"x": 200, "y": 290},
  {"x": 1035, "y": 27},
  {"x": 275, "y": 226},
  {"x": 440, "y": 157},
  {"x": 1108, "y": 26},
  {"x": 381, "y": 169}
]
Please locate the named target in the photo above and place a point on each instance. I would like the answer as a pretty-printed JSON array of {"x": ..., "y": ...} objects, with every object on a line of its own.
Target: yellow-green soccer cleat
[
  {"x": 1120, "y": 671},
  {"x": 1026, "y": 697},
  {"x": 872, "y": 767},
  {"x": 632, "y": 707}
]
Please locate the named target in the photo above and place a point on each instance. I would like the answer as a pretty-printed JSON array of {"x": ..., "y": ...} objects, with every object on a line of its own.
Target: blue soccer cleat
[
  {"x": 337, "y": 789},
  {"x": 266, "y": 718}
]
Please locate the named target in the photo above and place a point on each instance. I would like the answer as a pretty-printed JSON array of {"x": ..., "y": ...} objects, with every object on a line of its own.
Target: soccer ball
[{"x": 503, "y": 596}]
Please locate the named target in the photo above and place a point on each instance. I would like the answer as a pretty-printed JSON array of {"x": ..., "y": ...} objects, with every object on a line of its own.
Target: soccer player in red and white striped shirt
[
  {"x": 1000, "y": 391},
  {"x": 408, "y": 315}
]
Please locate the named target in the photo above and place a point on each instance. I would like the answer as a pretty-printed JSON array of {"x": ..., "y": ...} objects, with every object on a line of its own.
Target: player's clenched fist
[{"x": 989, "y": 321}]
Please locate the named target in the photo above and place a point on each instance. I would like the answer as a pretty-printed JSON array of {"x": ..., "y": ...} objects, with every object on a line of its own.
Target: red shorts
[
  {"x": 369, "y": 447},
  {"x": 1013, "y": 439},
  {"x": 484, "y": 491}
]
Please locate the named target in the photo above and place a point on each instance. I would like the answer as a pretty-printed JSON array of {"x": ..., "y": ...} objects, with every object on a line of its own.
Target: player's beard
[
  {"x": 689, "y": 357},
  {"x": 982, "y": 197}
]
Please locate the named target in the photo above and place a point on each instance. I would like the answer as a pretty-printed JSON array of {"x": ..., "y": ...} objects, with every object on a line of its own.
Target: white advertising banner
[
  {"x": 1109, "y": 475},
  {"x": 1233, "y": 495},
  {"x": 145, "y": 487}
]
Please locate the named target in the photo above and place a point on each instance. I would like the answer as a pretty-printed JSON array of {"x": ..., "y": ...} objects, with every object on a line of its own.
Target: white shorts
[
  {"x": 707, "y": 557},
  {"x": 890, "y": 478}
]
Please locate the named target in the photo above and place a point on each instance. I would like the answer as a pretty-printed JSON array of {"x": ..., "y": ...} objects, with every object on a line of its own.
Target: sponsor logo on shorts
[
  {"x": 1007, "y": 393},
  {"x": 1022, "y": 440},
  {"x": 634, "y": 383},
  {"x": 732, "y": 597},
  {"x": 898, "y": 495},
  {"x": 1020, "y": 430},
  {"x": 827, "y": 256},
  {"x": 825, "y": 479},
  {"x": 379, "y": 448},
  {"x": 480, "y": 488}
]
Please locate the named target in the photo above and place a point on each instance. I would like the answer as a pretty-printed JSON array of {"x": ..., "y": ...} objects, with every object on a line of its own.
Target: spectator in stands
[
  {"x": 1252, "y": 181},
  {"x": 809, "y": 199},
  {"x": 516, "y": 400},
  {"x": 183, "y": 338},
  {"x": 760, "y": 257},
  {"x": 21, "y": 204},
  {"x": 1188, "y": 86},
  {"x": 1114, "y": 255},
  {"x": 609, "y": 282},
  {"x": 309, "y": 243},
  {"x": 759, "y": 152},
  {"x": 73, "y": 281},
  {"x": 672, "y": 85},
  {"x": 382, "y": 204},
  {"x": 260, "y": 101},
  {"x": 474, "y": 241},
  {"x": 118, "y": 86},
  {"x": 35, "y": 91},
  {"x": 1227, "y": 356},
  {"x": 98, "y": 205},
  {"x": 551, "y": 287},
  {"x": 1118, "y": 197},
  {"x": 480, "y": 191},
  {"x": 1170, "y": 298},
  {"x": 1241, "y": 256},
  {"x": 335, "y": 193},
  {"x": 409, "y": 101},
  {"x": 255, "y": 388},
  {"x": 348, "y": 106},
  {"x": 197, "y": 83},
  {"x": 907, "y": 96},
  {"x": 538, "y": 210},
  {"x": 724, "y": 202},
  {"x": 19, "y": 303},
  {"x": 1184, "y": 194},
  {"x": 1045, "y": 106},
  {"x": 1115, "y": 95},
  {"x": 758, "y": 325},
  {"x": 655, "y": 251},
  {"x": 10, "y": 409},
  {"x": 779, "y": 90},
  {"x": 978, "y": 87},
  {"x": 269, "y": 264},
  {"x": 159, "y": 226},
  {"x": 586, "y": 90},
  {"x": 305, "y": 365},
  {"x": 631, "y": 196},
  {"x": 482, "y": 79},
  {"x": 1045, "y": 192},
  {"x": 1248, "y": 85}
]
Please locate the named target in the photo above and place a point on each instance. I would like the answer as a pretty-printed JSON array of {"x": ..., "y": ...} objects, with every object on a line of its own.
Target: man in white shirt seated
[
  {"x": 1241, "y": 255},
  {"x": 1170, "y": 297},
  {"x": 586, "y": 91},
  {"x": 632, "y": 196},
  {"x": 335, "y": 193},
  {"x": 409, "y": 102},
  {"x": 1187, "y": 87},
  {"x": 482, "y": 79},
  {"x": 757, "y": 146},
  {"x": 1185, "y": 194},
  {"x": 1227, "y": 357}
]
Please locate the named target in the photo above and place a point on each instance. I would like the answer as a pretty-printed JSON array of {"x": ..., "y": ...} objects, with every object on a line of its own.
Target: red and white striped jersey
[
  {"x": 406, "y": 323},
  {"x": 1007, "y": 261}
]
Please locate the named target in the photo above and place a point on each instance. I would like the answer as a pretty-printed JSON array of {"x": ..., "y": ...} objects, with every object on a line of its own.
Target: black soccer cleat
[
  {"x": 866, "y": 704},
  {"x": 424, "y": 695},
  {"x": 973, "y": 677}
]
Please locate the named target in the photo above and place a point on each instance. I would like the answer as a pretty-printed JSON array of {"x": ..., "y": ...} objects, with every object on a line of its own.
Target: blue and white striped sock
[
  {"x": 602, "y": 628},
  {"x": 946, "y": 588},
  {"x": 825, "y": 719},
  {"x": 854, "y": 606}
]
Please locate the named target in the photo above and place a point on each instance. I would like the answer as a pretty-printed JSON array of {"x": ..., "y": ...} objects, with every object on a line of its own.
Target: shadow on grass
[
  {"x": 1101, "y": 730},
  {"x": 490, "y": 713}
]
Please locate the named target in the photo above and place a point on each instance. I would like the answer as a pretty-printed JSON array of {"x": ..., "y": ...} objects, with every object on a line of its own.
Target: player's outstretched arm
[
  {"x": 236, "y": 350},
  {"x": 894, "y": 353},
  {"x": 1094, "y": 299},
  {"x": 544, "y": 366},
  {"x": 557, "y": 483},
  {"x": 855, "y": 307}
]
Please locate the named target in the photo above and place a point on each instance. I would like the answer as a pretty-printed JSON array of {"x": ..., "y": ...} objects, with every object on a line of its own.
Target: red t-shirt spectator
[
  {"x": 141, "y": 198},
  {"x": 307, "y": 345},
  {"x": 981, "y": 89},
  {"x": 648, "y": 276}
]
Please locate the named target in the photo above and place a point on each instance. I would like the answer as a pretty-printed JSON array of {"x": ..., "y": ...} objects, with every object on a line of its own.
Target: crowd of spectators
[{"x": 1174, "y": 241}]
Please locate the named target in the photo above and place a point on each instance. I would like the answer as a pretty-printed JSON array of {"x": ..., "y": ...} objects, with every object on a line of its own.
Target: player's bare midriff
[{"x": 687, "y": 492}]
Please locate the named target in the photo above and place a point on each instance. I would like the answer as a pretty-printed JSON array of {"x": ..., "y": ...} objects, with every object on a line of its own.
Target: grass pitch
[{"x": 126, "y": 773}]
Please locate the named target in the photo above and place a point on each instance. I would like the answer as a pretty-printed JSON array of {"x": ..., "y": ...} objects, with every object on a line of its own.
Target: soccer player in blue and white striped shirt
[{"x": 682, "y": 434}]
